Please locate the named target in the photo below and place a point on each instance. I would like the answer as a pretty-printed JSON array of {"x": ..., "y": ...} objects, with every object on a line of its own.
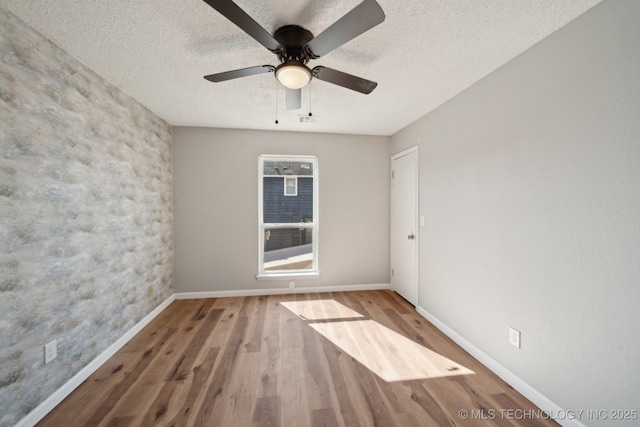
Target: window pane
[
  {"x": 278, "y": 208},
  {"x": 286, "y": 167},
  {"x": 290, "y": 186},
  {"x": 288, "y": 249}
]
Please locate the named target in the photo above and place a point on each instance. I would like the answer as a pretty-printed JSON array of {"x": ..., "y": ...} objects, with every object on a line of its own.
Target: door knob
[{"x": 411, "y": 237}]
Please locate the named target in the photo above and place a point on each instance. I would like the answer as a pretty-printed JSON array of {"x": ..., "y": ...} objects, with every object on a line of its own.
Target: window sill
[{"x": 284, "y": 276}]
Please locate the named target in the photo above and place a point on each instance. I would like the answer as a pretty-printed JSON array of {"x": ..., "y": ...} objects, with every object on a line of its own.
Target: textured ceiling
[{"x": 423, "y": 54}]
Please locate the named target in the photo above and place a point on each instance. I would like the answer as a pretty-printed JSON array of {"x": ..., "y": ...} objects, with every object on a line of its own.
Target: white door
[{"x": 404, "y": 225}]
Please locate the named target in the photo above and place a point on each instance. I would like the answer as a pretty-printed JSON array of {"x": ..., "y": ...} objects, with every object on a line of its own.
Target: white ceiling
[{"x": 423, "y": 54}]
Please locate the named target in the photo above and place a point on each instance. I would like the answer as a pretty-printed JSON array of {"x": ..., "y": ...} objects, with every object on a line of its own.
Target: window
[
  {"x": 288, "y": 220},
  {"x": 291, "y": 186}
]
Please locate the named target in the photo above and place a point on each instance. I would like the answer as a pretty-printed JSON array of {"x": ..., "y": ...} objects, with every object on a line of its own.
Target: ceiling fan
[{"x": 295, "y": 46}]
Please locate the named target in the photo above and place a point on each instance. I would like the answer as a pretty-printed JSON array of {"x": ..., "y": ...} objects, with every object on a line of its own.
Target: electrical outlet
[
  {"x": 514, "y": 337},
  {"x": 150, "y": 290},
  {"x": 292, "y": 284},
  {"x": 50, "y": 351}
]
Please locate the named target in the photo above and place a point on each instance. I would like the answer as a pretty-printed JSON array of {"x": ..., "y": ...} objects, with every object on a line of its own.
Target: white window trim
[
  {"x": 295, "y": 185},
  {"x": 314, "y": 272}
]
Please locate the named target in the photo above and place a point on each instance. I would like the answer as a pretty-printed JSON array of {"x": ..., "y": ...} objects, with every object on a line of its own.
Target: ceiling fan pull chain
[
  {"x": 276, "y": 87},
  {"x": 310, "y": 101}
]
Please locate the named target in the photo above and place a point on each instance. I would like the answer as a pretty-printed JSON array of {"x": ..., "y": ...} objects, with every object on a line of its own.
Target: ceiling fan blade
[
  {"x": 362, "y": 18},
  {"x": 233, "y": 13},
  {"x": 243, "y": 72},
  {"x": 294, "y": 99},
  {"x": 343, "y": 79}
]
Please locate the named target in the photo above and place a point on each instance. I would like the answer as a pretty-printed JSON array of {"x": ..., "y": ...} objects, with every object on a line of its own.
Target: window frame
[{"x": 263, "y": 227}]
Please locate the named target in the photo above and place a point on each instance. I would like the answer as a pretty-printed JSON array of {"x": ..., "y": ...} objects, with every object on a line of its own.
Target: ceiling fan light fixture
[{"x": 293, "y": 75}]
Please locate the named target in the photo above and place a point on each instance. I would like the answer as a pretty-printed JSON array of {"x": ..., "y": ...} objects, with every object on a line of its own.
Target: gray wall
[
  {"x": 530, "y": 187},
  {"x": 86, "y": 216},
  {"x": 216, "y": 207}
]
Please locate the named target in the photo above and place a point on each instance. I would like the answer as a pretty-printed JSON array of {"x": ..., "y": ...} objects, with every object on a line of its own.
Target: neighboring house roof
[{"x": 276, "y": 167}]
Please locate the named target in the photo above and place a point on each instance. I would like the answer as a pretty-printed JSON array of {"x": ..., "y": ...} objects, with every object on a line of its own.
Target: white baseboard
[
  {"x": 59, "y": 395},
  {"x": 280, "y": 291},
  {"x": 514, "y": 381}
]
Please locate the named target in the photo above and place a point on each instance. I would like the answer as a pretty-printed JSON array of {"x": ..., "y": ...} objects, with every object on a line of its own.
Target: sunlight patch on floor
[
  {"x": 388, "y": 354},
  {"x": 326, "y": 309}
]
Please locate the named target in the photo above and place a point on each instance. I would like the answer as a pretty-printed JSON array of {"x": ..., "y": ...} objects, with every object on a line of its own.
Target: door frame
[{"x": 410, "y": 150}]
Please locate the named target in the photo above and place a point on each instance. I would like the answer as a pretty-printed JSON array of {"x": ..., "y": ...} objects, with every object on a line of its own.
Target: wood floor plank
[
  {"x": 267, "y": 412},
  {"x": 331, "y": 359},
  {"x": 317, "y": 375},
  {"x": 257, "y": 324},
  {"x": 180, "y": 348},
  {"x": 325, "y": 417},
  {"x": 376, "y": 403},
  {"x": 397, "y": 302},
  {"x": 269, "y": 377},
  {"x": 121, "y": 421},
  {"x": 190, "y": 350},
  {"x": 157, "y": 412},
  {"x": 430, "y": 406},
  {"x": 511, "y": 401},
  {"x": 80, "y": 406},
  {"x": 154, "y": 331},
  {"x": 123, "y": 386},
  {"x": 343, "y": 393},
  {"x": 195, "y": 385},
  {"x": 222, "y": 370},
  {"x": 294, "y": 402},
  {"x": 241, "y": 393},
  {"x": 406, "y": 329}
]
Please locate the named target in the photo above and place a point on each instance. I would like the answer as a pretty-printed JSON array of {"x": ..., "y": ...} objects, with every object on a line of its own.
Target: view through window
[{"x": 288, "y": 215}]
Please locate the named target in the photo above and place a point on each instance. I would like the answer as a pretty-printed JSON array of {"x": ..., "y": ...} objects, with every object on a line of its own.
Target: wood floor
[{"x": 331, "y": 359}]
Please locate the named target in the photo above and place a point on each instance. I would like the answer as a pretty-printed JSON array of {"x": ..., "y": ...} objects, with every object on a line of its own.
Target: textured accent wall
[{"x": 86, "y": 215}]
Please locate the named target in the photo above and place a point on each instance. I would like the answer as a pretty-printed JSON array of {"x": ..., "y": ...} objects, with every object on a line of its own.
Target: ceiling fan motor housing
[{"x": 293, "y": 40}]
